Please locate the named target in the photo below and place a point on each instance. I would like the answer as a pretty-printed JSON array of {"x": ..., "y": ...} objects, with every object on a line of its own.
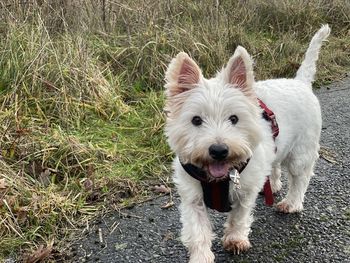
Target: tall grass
[{"x": 81, "y": 94}]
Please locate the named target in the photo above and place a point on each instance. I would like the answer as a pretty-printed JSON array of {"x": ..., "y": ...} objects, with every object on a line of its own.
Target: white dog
[{"x": 215, "y": 127}]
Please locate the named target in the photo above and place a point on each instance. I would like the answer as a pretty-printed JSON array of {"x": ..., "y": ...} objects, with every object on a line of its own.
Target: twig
[
  {"x": 129, "y": 215},
  {"x": 100, "y": 235},
  {"x": 114, "y": 226},
  {"x": 146, "y": 200},
  {"x": 14, "y": 219}
]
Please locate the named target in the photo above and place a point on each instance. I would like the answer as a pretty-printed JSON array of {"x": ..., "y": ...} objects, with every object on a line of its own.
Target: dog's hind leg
[{"x": 300, "y": 169}]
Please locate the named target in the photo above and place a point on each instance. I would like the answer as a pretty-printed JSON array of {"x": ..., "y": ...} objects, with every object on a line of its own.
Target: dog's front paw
[
  {"x": 286, "y": 207},
  {"x": 202, "y": 257},
  {"x": 236, "y": 245}
]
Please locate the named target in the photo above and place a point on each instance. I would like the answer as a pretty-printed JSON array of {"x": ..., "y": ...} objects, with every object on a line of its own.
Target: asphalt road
[{"x": 321, "y": 233}]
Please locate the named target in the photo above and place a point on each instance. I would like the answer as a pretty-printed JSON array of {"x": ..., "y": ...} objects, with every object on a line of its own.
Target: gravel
[{"x": 321, "y": 233}]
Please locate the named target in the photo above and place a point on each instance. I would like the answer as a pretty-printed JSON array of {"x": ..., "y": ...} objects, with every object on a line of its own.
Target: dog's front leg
[
  {"x": 240, "y": 218},
  {"x": 196, "y": 232}
]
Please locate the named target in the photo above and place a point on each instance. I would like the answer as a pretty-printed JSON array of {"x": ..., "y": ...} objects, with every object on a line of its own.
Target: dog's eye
[
  {"x": 233, "y": 119},
  {"x": 196, "y": 121}
]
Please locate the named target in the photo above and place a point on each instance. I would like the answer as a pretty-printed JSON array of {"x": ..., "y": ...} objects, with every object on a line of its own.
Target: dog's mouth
[{"x": 219, "y": 169}]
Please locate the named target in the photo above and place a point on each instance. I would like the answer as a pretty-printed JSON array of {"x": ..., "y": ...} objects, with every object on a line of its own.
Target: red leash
[
  {"x": 268, "y": 193},
  {"x": 269, "y": 116}
]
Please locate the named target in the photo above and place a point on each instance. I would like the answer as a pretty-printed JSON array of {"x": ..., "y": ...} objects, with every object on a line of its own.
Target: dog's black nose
[{"x": 218, "y": 151}]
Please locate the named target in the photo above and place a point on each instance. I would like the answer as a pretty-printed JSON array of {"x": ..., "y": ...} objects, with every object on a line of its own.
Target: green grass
[
  {"x": 81, "y": 95},
  {"x": 65, "y": 122}
]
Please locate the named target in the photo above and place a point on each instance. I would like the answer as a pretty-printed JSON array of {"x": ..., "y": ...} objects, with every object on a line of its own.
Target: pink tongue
[{"x": 218, "y": 169}]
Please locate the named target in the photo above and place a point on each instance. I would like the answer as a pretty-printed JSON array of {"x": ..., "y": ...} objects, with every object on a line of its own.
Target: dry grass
[{"x": 81, "y": 94}]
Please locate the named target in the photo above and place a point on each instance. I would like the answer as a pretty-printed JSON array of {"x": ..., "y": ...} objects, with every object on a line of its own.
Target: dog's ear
[
  {"x": 182, "y": 75},
  {"x": 239, "y": 71}
]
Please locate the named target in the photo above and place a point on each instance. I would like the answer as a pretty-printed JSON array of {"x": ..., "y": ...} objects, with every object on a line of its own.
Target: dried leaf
[
  {"x": 22, "y": 213},
  {"x": 44, "y": 177},
  {"x": 120, "y": 246},
  {"x": 168, "y": 205},
  {"x": 11, "y": 200},
  {"x": 40, "y": 254},
  {"x": 161, "y": 189},
  {"x": 3, "y": 184},
  {"x": 21, "y": 131},
  {"x": 88, "y": 184},
  {"x": 168, "y": 236},
  {"x": 328, "y": 155},
  {"x": 90, "y": 171},
  {"x": 35, "y": 168}
]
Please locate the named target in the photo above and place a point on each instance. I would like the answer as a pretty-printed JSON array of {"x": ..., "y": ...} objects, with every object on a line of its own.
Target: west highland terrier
[{"x": 224, "y": 131}]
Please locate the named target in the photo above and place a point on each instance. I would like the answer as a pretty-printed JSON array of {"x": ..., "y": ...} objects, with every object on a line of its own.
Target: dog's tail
[{"x": 307, "y": 70}]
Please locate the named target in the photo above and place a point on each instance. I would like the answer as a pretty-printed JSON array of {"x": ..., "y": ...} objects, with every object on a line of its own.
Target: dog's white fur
[{"x": 234, "y": 92}]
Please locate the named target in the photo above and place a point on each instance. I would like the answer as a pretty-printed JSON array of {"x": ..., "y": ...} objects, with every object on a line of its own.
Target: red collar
[{"x": 216, "y": 193}]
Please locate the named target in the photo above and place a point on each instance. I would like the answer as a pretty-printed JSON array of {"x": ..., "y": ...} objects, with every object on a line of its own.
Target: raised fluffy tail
[{"x": 307, "y": 70}]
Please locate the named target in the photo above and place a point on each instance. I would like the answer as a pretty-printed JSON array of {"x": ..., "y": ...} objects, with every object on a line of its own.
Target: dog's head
[{"x": 212, "y": 123}]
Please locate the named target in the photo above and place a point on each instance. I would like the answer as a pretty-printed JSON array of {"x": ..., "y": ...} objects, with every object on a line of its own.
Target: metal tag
[{"x": 234, "y": 176}]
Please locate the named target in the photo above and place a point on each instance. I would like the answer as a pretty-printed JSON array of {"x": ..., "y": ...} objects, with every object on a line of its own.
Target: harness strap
[
  {"x": 270, "y": 116},
  {"x": 216, "y": 195}
]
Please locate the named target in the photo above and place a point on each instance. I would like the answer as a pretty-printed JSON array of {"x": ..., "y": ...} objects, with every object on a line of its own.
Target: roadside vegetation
[{"x": 81, "y": 96}]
